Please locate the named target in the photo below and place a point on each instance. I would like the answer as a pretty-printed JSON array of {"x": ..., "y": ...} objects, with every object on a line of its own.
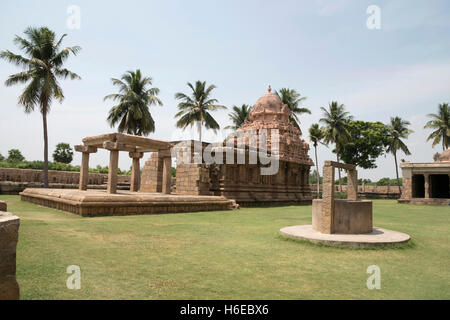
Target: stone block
[
  {"x": 3, "y": 206},
  {"x": 9, "y": 232}
]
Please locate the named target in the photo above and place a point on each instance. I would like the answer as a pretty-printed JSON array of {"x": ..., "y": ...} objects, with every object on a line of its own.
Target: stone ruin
[
  {"x": 9, "y": 235},
  {"x": 426, "y": 182},
  {"x": 343, "y": 221},
  {"x": 244, "y": 182},
  {"x": 345, "y": 216}
]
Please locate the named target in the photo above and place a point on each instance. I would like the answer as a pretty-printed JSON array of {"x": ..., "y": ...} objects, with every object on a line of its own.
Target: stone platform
[
  {"x": 377, "y": 237},
  {"x": 101, "y": 203},
  {"x": 422, "y": 201}
]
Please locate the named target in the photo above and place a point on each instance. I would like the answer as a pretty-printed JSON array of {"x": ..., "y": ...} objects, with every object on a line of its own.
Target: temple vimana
[{"x": 243, "y": 180}]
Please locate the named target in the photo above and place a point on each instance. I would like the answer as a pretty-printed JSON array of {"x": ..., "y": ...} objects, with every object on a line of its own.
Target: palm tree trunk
[
  {"x": 199, "y": 127},
  {"x": 339, "y": 172},
  {"x": 44, "y": 121},
  {"x": 317, "y": 171},
  {"x": 396, "y": 170}
]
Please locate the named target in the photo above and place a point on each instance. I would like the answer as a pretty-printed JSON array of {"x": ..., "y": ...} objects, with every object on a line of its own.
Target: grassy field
[{"x": 225, "y": 255}]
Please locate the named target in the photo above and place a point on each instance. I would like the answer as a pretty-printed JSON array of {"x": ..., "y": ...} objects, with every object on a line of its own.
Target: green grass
[{"x": 225, "y": 255}]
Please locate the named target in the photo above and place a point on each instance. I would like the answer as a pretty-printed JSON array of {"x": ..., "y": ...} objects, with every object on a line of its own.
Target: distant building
[{"x": 427, "y": 182}]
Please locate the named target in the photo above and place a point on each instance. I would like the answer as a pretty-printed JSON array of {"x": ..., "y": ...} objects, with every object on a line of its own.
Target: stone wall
[
  {"x": 9, "y": 235},
  {"x": 193, "y": 179},
  {"x": 13, "y": 181},
  {"x": 390, "y": 192},
  {"x": 151, "y": 177}
]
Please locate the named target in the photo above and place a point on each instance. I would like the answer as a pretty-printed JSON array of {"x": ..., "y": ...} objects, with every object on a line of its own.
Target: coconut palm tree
[
  {"x": 134, "y": 99},
  {"x": 335, "y": 131},
  {"x": 293, "y": 99},
  {"x": 43, "y": 65},
  {"x": 239, "y": 115},
  {"x": 398, "y": 130},
  {"x": 316, "y": 136},
  {"x": 441, "y": 123},
  {"x": 195, "y": 109}
]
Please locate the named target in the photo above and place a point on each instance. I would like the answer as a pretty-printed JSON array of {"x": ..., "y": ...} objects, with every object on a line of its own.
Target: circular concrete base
[{"x": 377, "y": 237}]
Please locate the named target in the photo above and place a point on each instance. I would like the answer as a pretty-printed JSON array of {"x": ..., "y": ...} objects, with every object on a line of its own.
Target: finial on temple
[{"x": 270, "y": 89}]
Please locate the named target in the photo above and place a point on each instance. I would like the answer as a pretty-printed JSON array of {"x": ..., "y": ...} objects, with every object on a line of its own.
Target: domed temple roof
[
  {"x": 445, "y": 156},
  {"x": 269, "y": 113},
  {"x": 269, "y": 107}
]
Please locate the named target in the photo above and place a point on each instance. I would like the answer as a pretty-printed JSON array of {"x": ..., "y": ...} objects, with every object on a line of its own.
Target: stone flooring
[
  {"x": 378, "y": 236},
  {"x": 100, "y": 203}
]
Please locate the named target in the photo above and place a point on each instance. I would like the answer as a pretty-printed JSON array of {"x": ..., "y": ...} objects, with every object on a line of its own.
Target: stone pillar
[
  {"x": 84, "y": 170},
  {"x": 135, "y": 171},
  {"x": 427, "y": 185},
  {"x": 352, "y": 185},
  {"x": 167, "y": 174},
  {"x": 326, "y": 225},
  {"x": 112, "y": 171}
]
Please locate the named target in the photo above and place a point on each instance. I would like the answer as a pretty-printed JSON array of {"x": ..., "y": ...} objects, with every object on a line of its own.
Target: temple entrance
[
  {"x": 439, "y": 186},
  {"x": 418, "y": 186}
]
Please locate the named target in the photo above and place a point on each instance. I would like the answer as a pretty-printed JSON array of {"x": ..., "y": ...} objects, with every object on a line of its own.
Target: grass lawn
[{"x": 225, "y": 255}]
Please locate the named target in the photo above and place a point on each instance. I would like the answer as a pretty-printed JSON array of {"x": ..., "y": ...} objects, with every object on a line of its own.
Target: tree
[
  {"x": 43, "y": 65},
  {"x": 63, "y": 153},
  {"x": 335, "y": 121},
  {"x": 195, "y": 109},
  {"x": 367, "y": 141},
  {"x": 239, "y": 115},
  {"x": 134, "y": 99},
  {"x": 441, "y": 123},
  {"x": 293, "y": 99},
  {"x": 398, "y": 130},
  {"x": 316, "y": 136},
  {"x": 2, "y": 158},
  {"x": 15, "y": 156},
  {"x": 436, "y": 156}
]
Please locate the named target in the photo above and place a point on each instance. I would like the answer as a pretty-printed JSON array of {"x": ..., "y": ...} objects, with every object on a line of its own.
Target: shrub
[
  {"x": 63, "y": 153},
  {"x": 15, "y": 156}
]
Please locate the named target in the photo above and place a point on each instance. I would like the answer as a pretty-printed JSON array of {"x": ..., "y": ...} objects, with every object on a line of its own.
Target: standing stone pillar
[
  {"x": 167, "y": 175},
  {"x": 326, "y": 225},
  {"x": 427, "y": 185},
  {"x": 135, "y": 171},
  {"x": 112, "y": 171},
  {"x": 84, "y": 170},
  {"x": 352, "y": 185}
]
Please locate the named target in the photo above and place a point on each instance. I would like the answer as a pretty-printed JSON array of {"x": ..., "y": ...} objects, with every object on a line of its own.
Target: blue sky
[{"x": 321, "y": 48}]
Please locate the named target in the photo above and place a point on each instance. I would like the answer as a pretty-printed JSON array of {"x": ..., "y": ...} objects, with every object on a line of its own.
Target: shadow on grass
[{"x": 402, "y": 246}]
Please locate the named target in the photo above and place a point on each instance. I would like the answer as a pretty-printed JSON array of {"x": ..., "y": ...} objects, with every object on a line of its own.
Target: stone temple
[
  {"x": 427, "y": 182},
  {"x": 244, "y": 181},
  {"x": 266, "y": 163}
]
